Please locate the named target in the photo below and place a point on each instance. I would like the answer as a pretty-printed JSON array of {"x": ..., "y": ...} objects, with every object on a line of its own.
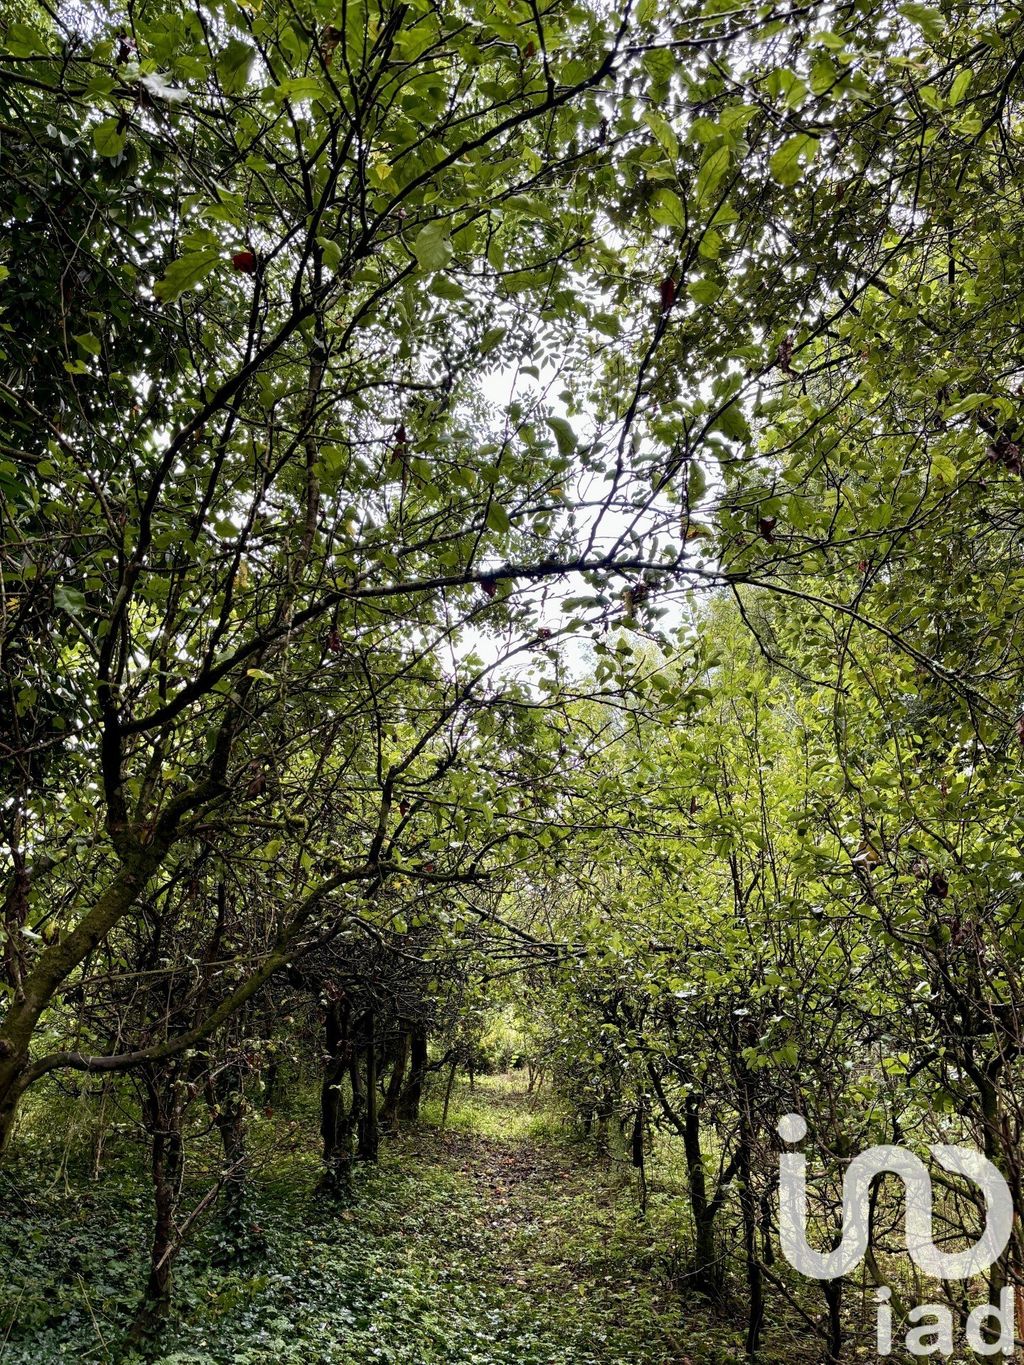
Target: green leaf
[
  {"x": 298, "y": 88},
  {"x": 185, "y": 273},
  {"x": 69, "y": 599},
  {"x": 943, "y": 469},
  {"x": 793, "y": 157},
  {"x": 89, "y": 343},
  {"x": 732, "y": 423},
  {"x": 331, "y": 251},
  {"x": 109, "y": 136},
  {"x": 432, "y": 247},
  {"x": 968, "y": 404},
  {"x": 22, "y": 41},
  {"x": 663, "y": 132},
  {"x": 786, "y": 85},
  {"x": 494, "y": 336},
  {"x": 787, "y": 1055},
  {"x": 667, "y": 208},
  {"x": 710, "y": 174},
  {"x": 833, "y": 41},
  {"x": 564, "y": 435},
  {"x": 233, "y": 66},
  {"x": 704, "y": 291},
  {"x": 928, "y": 20},
  {"x": 823, "y": 75},
  {"x": 446, "y": 288},
  {"x": 498, "y": 519},
  {"x": 735, "y": 117},
  {"x": 960, "y": 86}
]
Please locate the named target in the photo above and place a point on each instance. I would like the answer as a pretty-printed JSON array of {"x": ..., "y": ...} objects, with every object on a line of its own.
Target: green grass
[
  {"x": 454, "y": 1251},
  {"x": 501, "y": 1241},
  {"x": 497, "y": 1107}
]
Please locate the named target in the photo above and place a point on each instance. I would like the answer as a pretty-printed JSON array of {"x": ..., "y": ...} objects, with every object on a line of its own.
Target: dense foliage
[{"x": 511, "y": 555}]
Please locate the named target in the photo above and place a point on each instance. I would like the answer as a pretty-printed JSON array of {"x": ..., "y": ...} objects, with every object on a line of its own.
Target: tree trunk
[
  {"x": 412, "y": 1093},
  {"x": 637, "y": 1143},
  {"x": 240, "y": 1238},
  {"x": 161, "y": 1114},
  {"x": 12, "y": 1087},
  {"x": 448, "y": 1093},
  {"x": 270, "y": 1084},
  {"x": 833, "y": 1291},
  {"x": 369, "y": 1135},
  {"x": 335, "y": 1124},
  {"x": 8, "y": 1116},
  {"x": 389, "y": 1109},
  {"x": 708, "y": 1273},
  {"x": 749, "y": 1210},
  {"x": 57, "y": 962},
  {"x": 992, "y": 1146},
  {"x": 101, "y": 1126},
  {"x": 767, "y": 1245},
  {"x": 605, "y": 1113}
]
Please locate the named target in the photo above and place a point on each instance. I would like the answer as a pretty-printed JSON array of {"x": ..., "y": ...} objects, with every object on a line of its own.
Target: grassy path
[
  {"x": 494, "y": 1243},
  {"x": 531, "y": 1254},
  {"x": 551, "y": 1243}
]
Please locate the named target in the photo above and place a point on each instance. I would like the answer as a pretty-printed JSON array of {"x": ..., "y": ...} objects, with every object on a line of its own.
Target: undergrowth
[{"x": 499, "y": 1241}]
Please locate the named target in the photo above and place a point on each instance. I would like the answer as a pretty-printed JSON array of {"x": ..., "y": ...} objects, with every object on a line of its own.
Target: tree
[{"x": 248, "y": 493}]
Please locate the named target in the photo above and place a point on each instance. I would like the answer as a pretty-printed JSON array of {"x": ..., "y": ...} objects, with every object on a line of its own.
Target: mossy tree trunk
[
  {"x": 161, "y": 1115},
  {"x": 240, "y": 1239}
]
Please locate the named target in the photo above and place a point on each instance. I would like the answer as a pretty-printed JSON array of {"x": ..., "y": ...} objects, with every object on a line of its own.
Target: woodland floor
[{"x": 497, "y": 1242}]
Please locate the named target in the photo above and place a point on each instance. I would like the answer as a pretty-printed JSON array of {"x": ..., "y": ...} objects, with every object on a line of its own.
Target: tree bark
[
  {"x": 833, "y": 1291},
  {"x": 448, "y": 1092},
  {"x": 369, "y": 1134},
  {"x": 240, "y": 1238},
  {"x": 10, "y": 1095},
  {"x": 707, "y": 1269},
  {"x": 55, "y": 964},
  {"x": 389, "y": 1109},
  {"x": 637, "y": 1152},
  {"x": 412, "y": 1093},
  {"x": 161, "y": 1114},
  {"x": 755, "y": 1278},
  {"x": 335, "y": 1124},
  {"x": 707, "y": 1275}
]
